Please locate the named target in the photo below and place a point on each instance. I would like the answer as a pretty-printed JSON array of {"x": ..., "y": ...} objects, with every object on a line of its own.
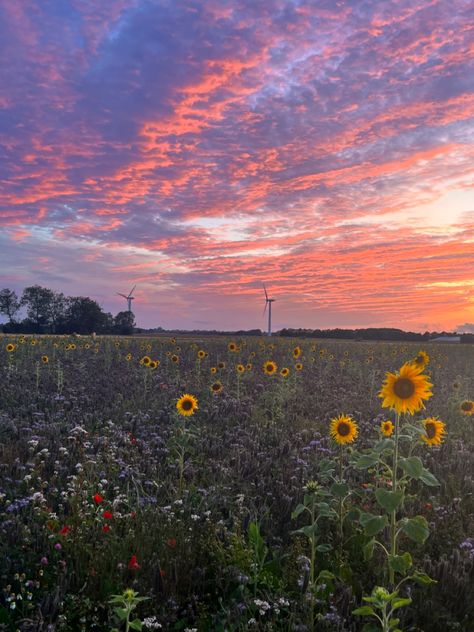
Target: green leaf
[
  {"x": 298, "y": 511},
  {"x": 323, "y": 548},
  {"x": 428, "y": 478},
  {"x": 400, "y": 563},
  {"x": 309, "y": 530},
  {"x": 389, "y": 500},
  {"x": 373, "y": 524},
  {"x": 416, "y": 529},
  {"x": 325, "y": 576},
  {"x": 413, "y": 466},
  {"x": 423, "y": 579},
  {"x": 393, "y": 622},
  {"x": 136, "y": 624},
  {"x": 339, "y": 490},
  {"x": 367, "y": 460},
  {"x": 401, "y": 602},
  {"x": 122, "y": 613},
  {"x": 368, "y": 549},
  {"x": 364, "y": 611},
  {"x": 384, "y": 444}
]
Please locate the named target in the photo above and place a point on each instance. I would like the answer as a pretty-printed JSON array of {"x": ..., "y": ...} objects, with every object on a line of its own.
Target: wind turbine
[
  {"x": 128, "y": 298},
  {"x": 268, "y": 301}
]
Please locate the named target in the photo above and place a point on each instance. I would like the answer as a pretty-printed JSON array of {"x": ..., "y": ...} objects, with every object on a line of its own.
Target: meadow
[{"x": 195, "y": 485}]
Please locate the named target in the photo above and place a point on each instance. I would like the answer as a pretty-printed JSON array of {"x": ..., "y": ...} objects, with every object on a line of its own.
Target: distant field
[{"x": 245, "y": 514}]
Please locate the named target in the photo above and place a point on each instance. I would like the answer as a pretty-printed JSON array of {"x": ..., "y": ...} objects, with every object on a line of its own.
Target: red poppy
[
  {"x": 133, "y": 564},
  {"x": 97, "y": 499},
  {"x": 106, "y": 528},
  {"x": 133, "y": 440},
  {"x": 171, "y": 542},
  {"x": 65, "y": 530},
  {"x": 108, "y": 514},
  {"x": 428, "y": 506}
]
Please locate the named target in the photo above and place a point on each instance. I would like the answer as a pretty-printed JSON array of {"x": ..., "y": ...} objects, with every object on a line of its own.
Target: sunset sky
[{"x": 200, "y": 148}]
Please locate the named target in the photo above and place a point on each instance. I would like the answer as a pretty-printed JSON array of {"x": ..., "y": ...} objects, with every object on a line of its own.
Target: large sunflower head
[
  {"x": 405, "y": 390},
  {"x": 217, "y": 387},
  {"x": 387, "y": 428},
  {"x": 434, "y": 431},
  {"x": 343, "y": 429},
  {"x": 270, "y": 367},
  {"x": 175, "y": 359},
  {"x": 187, "y": 405},
  {"x": 296, "y": 352},
  {"x": 467, "y": 407}
]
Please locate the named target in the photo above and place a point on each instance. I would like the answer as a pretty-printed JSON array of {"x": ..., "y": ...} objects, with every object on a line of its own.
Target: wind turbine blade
[
  {"x": 124, "y": 295},
  {"x": 132, "y": 290},
  {"x": 265, "y": 308},
  {"x": 265, "y": 290}
]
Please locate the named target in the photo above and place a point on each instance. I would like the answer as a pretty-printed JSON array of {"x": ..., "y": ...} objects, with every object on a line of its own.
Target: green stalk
[{"x": 393, "y": 517}]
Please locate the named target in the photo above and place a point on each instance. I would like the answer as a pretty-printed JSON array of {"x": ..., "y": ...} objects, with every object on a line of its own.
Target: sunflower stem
[
  {"x": 341, "y": 516},
  {"x": 393, "y": 521}
]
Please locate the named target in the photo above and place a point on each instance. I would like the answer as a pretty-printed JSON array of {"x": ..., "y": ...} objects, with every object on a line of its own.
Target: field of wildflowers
[{"x": 231, "y": 485}]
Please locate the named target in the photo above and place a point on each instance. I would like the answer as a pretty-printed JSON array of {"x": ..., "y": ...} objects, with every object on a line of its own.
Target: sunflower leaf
[
  {"x": 364, "y": 611},
  {"x": 368, "y": 549},
  {"x": 367, "y": 460},
  {"x": 339, "y": 490},
  {"x": 428, "y": 478},
  {"x": 422, "y": 578},
  {"x": 401, "y": 602},
  {"x": 400, "y": 563},
  {"x": 389, "y": 500},
  {"x": 416, "y": 529},
  {"x": 384, "y": 444},
  {"x": 372, "y": 524},
  {"x": 413, "y": 466}
]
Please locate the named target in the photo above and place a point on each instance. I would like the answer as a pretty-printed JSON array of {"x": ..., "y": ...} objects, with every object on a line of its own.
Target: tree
[
  {"x": 83, "y": 315},
  {"x": 38, "y": 305},
  {"x": 124, "y": 323},
  {"x": 57, "y": 311},
  {"x": 9, "y": 304}
]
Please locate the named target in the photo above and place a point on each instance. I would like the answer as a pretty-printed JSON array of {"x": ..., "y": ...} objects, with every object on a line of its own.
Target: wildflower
[
  {"x": 65, "y": 530},
  {"x": 171, "y": 542},
  {"x": 422, "y": 359},
  {"x": 107, "y": 514},
  {"x": 175, "y": 359},
  {"x": 343, "y": 429},
  {"x": 434, "y": 431},
  {"x": 133, "y": 564},
  {"x": 44, "y": 561},
  {"x": 187, "y": 405},
  {"x": 44, "y": 359},
  {"x": 97, "y": 498},
  {"x": 240, "y": 368},
  {"x": 201, "y": 354},
  {"x": 298, "y": 366},
  {"x": 405, "y": 390},
  {"x": 232, "y": 346},
  {"x": 105, "y": 528}
]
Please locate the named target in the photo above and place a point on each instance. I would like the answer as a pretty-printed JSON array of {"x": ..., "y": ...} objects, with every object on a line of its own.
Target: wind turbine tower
[
  {"x": 268, "y": 302},
  {"x": 128, "y": 298}
]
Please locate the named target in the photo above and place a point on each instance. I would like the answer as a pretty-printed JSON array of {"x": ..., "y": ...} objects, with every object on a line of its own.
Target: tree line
[{"x": 46, "y": 311}]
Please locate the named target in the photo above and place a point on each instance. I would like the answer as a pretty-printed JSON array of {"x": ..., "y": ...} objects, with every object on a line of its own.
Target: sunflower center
[
  {"x": 430, "y": 431},
  {"x": 466, "y": 406},
  {"x": 403, "y": 388},
  {"x": 343, "y": 429},
  {"x": 187, "y": 404}
]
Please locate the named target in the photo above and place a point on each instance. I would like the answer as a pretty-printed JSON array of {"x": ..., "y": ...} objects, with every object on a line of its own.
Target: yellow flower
[
  {"x": 343, "y": 429},
  {"x": 298, "y": 366},
  {"x": 249, "y": 366},
  {"x": 405, "y": 391},
  {"x": 44, "y": 359},
  {"x": 213, "y": 369},
  {"x": 217, "y": 387},
  {"x": 10, "y": 347},
  {"x": 296, "y": 352},
  {"x": 269, "y": 367},
  {"x": 422, "y": 359},
  {"x": 467, "y": 407},
  {"x": 285, "y": 372},
  {"x": 175, "y": 359},
  {"x": 387, "y": 428},
  {"x": 128, "y": 357},
  {"x": 221, "y": 365},
  {"x": 145, "y": 360},
  {"x": 232, "y": 347},
  {"x": 201, "y": 354},
  {"x": 434, "y": 431},
  {"x": 240, "y": 368},
  {"x": 186, "y": 405}
]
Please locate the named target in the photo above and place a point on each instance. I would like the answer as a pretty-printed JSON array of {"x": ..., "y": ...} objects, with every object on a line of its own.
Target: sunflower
[
  {"x": 145, "y": 360},
  {"x": 467, "y": 407},
  {"x": 221, "y": 365},
  {"x": 285, "y": 372},
  {"x": 87, "y": 346},
  {"x": 434, "y": 431},
  {"x": 240, "y": 368},
  {"x": 44, "y": 359},
  {"x": 387, "y": 428},
  {"x": 213, "y": 369},
  {"x": 217, "y": 387},
  {"x": 128, "y": 357},
  {"x": 296, "y": 352},
  {"x": 201, "y": 354},
  {"x": 298, "y": 366},
  {"x": 232, "y": 347},
  {"x": 186, "y": 405},
  {"x": 249, "y": 366},
  {"x": 175, "y": 359},
  {"x": 343, "y": 429},
  {"x": 10, "y": 347},
  {"x": 34, "y": 342},
  {"x": 421, "y": 359},
  {"x": 405, "y": 391},
  {"x": 269, "y": 367}
]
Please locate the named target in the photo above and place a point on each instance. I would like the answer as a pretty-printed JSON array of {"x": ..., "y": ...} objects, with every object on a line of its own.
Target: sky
[{"x": 199, "y": 149}]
